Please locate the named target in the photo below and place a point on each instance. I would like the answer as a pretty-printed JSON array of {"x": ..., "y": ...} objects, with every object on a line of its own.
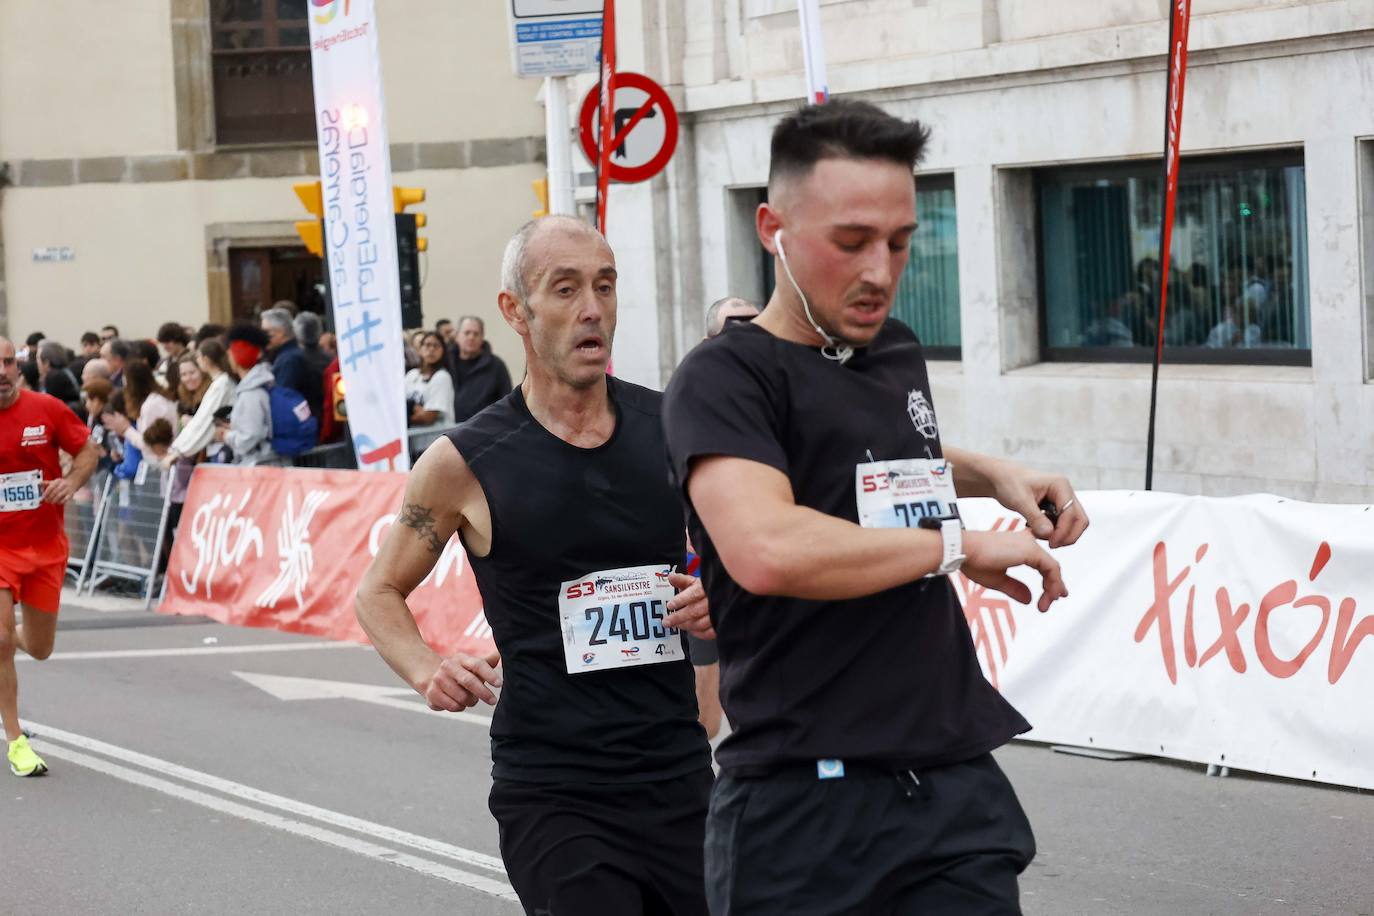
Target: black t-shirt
[
  {"x": 559, "y": 512},
  {"x": 890, "y": 678}
]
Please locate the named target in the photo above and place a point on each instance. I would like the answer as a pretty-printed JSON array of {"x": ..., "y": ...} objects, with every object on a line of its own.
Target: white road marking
[
  {"x": 46, "y": 733},
  {"x": 292, "y": 689},
  {"x": 490, "y": 886},
  {"x": 196, "y": 650}
]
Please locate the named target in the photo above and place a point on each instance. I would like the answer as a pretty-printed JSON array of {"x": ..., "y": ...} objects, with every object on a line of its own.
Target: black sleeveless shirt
[{"x": 559, "y": 512}]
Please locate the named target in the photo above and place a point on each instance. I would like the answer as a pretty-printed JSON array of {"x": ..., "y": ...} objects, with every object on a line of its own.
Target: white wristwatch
[{"x": 952, "y": 535}]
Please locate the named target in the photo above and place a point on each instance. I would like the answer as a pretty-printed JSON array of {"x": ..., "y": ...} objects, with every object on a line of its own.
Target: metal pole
[{"x": 557, "y": 130}]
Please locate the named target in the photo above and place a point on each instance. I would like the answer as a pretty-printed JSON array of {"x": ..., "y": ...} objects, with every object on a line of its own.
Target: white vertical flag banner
[
  {"x": 360, "y": 228},
  {"x": 813, "y": 52}
]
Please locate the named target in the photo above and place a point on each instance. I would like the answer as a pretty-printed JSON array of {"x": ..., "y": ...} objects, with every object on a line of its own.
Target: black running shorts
[
  {"x": 633, "y": 849},
  {"x": 943, "y": 842}
]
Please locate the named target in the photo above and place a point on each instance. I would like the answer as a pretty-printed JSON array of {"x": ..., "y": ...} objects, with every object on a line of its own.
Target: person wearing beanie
[{"x": 248, "y": 432}]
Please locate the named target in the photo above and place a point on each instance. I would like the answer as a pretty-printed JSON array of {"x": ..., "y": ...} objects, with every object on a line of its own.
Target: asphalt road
[{"x": 198, "y": 768}]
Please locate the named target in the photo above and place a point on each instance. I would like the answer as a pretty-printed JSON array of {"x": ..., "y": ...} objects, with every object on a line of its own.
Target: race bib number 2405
[{"x": 614, "y": 619}]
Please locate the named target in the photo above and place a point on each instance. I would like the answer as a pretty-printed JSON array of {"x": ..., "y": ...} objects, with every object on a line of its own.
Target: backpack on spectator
[{"x": 294, "y": 429}]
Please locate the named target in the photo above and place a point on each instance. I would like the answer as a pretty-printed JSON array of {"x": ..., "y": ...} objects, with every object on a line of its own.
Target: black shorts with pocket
[
  {"x": 949, "y": 841},
  {"x": 632, "y": 849}
]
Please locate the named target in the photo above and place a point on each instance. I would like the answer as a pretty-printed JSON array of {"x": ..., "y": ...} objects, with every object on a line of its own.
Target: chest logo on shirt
[
  {"x": 34, "y": 435},
  {"x": 922, "y": 414}
]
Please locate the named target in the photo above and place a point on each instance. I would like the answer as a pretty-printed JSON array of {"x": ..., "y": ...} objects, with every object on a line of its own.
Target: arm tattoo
[{"x": 421, "y": 518}]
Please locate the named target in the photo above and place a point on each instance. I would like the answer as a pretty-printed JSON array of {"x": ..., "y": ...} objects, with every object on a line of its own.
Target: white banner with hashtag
[
  {"x": 360, "y": 228},
  {"x": 1237, "y": 632}
]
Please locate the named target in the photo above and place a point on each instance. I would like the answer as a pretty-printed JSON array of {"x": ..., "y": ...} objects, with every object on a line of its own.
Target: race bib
[
  {"x": 614, "y": 619},
  {"x": 21, "y": 491},
  {"x": 898, "y": 494}
]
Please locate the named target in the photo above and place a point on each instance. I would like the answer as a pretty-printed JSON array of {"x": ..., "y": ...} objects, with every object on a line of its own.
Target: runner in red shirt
[{"x": 33, "y": 543}]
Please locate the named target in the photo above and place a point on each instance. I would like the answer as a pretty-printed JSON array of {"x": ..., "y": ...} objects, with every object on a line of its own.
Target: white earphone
[{"x": 833, "y": 349}]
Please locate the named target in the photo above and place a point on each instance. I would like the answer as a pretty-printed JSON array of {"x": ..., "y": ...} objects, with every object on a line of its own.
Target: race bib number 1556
[{"x": 21, "y": 491}]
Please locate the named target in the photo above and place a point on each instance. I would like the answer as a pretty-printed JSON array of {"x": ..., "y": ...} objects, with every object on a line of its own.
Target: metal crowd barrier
[
  {"x": 339, "y": 455},
  {"x": 131, "y": 527},
  {"x": 82, "y": 522}
]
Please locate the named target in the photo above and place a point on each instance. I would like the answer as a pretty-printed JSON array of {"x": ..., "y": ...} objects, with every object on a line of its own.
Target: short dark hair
[
  {"x": 120, "y": 348},
  {"x": 207, "y": 331},
  {"x": 248, "y": 332},
  {"x": 34, "y": 339},
  {"x": 159, "y": 432},
  {"x": 90, "y": 338},
  {"x": 843, "y": 129},
  {"x": 112, "y": 329},
  {"x": 441, "y": 322},
  {"x": 172, "y": 332}
]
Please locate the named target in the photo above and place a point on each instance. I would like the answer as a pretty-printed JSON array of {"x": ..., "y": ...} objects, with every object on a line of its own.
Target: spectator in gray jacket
[{"x": 248, "y": 434}]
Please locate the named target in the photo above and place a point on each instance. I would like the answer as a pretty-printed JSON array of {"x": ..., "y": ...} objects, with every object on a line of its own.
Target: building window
[
  {"x": 1238, "y": 268},
  {"x": 927, "y": 298},
  {"x": 261, "y": 59}
]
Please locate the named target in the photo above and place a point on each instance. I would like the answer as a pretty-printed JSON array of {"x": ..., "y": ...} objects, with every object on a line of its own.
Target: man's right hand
[
  {"x": 460, "y": 682},
  {"x": 989, "y": 554}
]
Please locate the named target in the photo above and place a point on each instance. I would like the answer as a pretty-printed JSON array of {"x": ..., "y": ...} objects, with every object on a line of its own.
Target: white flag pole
[{"x": 813, "y": 52}]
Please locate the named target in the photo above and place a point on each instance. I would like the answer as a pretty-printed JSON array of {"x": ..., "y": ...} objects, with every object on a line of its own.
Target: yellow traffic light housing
[
  {"x": 407, "y": 197},
  {"x": 311, "y": 231},
  {"x": 541, "y": 191}
]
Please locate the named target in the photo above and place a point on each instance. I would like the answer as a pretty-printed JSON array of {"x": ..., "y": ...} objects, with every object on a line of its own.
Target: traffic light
[
  {"x": 405, "y": 197},
  {"x": 541, "y": 191},
  {"x": 311, "y": 231},
  {"x": 408, "y": 247}
]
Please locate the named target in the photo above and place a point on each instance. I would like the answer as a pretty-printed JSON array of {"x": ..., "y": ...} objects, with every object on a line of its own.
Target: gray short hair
[
  {"x": 308, "y": 327},
  {"x": 280, "y": 318},
  {"x": 481, "y": 325},
  {"x": 513, "y": 265},
  {"x": 53, "y": 353}
]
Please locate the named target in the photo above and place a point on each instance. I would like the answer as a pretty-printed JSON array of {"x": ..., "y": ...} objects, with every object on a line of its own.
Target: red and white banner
[
  {"x": 286, "y": 549},
  {"x": 1237, "y": 632}
]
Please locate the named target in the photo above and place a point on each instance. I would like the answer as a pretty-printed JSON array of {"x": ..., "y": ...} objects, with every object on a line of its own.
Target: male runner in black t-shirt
[
  {"x": 601, "y": 771},
  {"x": 858, "y": 777}
]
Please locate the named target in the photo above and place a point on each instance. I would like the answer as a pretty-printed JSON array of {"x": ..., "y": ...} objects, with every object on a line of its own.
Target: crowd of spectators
[
  {"x": 257, "y": 393},
  {"x": 224, "y": 395}
]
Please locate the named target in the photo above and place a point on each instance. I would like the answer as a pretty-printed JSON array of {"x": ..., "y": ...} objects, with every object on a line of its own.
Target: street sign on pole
[
  {"x": 554, "y": 37},
  {"x": 644, "y": 124}
]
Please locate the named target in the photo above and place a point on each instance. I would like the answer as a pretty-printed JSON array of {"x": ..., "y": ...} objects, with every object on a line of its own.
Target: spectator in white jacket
[
  {"x": 213, "y": 360},
  {"x": 429, "y": 387}
]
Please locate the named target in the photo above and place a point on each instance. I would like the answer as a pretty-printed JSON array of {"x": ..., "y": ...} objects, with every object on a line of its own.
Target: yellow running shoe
[{"x": 23, "y": 761}]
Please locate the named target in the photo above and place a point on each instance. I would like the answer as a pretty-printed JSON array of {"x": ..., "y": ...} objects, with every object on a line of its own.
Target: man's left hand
[
  {"x": 58, "y": 491},
  {"x": 1022, "y": 490},
  {"x": 688, "y": 609}
]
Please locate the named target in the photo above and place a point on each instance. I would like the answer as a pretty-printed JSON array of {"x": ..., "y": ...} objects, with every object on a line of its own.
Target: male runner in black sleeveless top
[{"x": 601, "y": 771}]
